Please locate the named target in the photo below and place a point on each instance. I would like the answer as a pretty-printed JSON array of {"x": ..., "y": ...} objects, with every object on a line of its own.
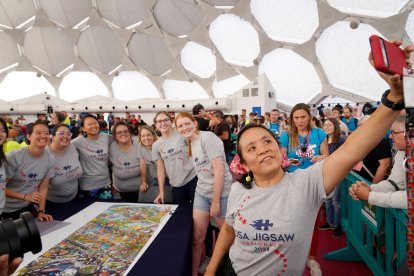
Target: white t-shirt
[
  {"x": 273, "y": 226},
  {"x": 26, "y": 172},
  {"x": 63, "y": 187},
  {"x": 173, "y": 151},
  {"x": 2, "y": 186},
  {"x": 207, "y": 147}
]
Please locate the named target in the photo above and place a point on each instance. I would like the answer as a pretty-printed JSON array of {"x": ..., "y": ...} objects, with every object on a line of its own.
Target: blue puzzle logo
[
  {"x": 259, "y": 225},
  {"x": 99, "y": 151},
  {"x": 170, "y": 151},
  {"x": 32, "y": 175},
  {"x": 127, "y": 164},
  {"x": 67, "y": 167}
]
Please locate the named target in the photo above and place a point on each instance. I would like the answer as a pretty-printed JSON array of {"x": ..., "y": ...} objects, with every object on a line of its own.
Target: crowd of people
[{"x": 278, "y": 162}]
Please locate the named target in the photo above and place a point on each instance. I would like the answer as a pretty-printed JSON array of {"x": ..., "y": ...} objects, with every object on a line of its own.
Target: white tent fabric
[{"x": 183, "y": 49}]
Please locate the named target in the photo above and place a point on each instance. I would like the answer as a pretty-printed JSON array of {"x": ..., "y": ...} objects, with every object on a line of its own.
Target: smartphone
[
  {"x": 294, "y": 161},
  {"x": 388, "y": 57}
]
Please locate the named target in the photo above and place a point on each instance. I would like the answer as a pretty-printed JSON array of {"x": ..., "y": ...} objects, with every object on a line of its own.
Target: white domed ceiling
[{"x": 194, "y": 49}]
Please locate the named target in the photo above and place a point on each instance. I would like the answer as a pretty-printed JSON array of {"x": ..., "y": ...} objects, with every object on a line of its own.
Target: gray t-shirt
[
  {"x": 64, "y": 186},
  {"x": 273, "y": 226},
  {"x": 126, "y": 174},
  {"x": 173, "y": 151},
  {"x": 2, "y": 187},
  {"x": 26, "y": 172},
  {"x": 146, "y": 154},
  {"x": 94, "y": 156},
  {"x": 204, "y": 149}
]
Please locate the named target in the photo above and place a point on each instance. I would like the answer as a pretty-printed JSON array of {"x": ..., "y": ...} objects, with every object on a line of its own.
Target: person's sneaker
[
  {"x": 314, "y": 267},
  {"x": 337, "y": 233},
  {"x": 325, "y": 226},
  {"x": 203, "y": 266}
]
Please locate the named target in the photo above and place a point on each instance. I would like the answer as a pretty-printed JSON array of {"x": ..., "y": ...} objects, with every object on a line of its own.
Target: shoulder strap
[{"x": 393, "y": 184}]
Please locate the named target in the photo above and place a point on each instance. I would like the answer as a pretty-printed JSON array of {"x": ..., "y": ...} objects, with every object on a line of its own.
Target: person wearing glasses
[
  {"x": 170, "y": 154},
  {"x": 126, "y": 173},
  {"x": 63, "y": 187},
  {"x": 93, "y": 149},
  {"x": 28, "y": 171},
  {"x": 304, "y": 145},
  {"x": 389, "y": 193}
]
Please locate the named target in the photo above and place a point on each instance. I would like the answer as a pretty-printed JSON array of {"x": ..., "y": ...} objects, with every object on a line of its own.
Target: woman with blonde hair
[
  {"x": 206, "y": 152},
  {"x": 170, "y": 154},
  {"x": 146, "y": 137}
]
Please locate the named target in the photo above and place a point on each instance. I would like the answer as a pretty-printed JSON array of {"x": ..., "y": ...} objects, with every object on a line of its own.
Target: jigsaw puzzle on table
[{"x": 107, "y": 245}]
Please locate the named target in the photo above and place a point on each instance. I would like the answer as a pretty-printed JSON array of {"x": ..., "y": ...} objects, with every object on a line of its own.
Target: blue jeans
[{"x": 333, "y": 211}]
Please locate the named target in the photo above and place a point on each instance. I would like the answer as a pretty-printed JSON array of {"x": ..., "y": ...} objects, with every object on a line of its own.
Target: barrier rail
[{"x": 376, "y": 236}]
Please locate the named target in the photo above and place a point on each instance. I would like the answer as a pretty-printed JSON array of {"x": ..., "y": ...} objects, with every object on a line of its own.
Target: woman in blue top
[{"x": 304, "y": 146}]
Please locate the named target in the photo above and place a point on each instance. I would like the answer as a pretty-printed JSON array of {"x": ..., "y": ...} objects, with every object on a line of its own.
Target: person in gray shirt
[
  {"x": 3, "y": 136},
  {"x": 63, "y": 187},
  {"x": 206, "y": 151},
  {"x": 147, "y": 136},
  {"x": 170, "y": 154},
  {"x": 93, "y": 149},
  {"x": 28, "y": 171},
  {"x": 265, "y": 232},
  {"x": 126, "y": 173}
]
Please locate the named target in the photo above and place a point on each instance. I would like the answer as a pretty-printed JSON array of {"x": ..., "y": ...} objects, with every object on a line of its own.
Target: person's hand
[
  {"x": 395, "y": 81},
  {"x": 35, "y": 197},
  {"x": 352, "y": 191},
  {"x": 5, "y": 268},
  {"x": 143, "y": 187},
  {"x": 159, "y": 199},
  {"x": 215, "y": 209},
  {"x": 44, "y": 217},
  {"x": 362, "y": 191},
  {"x": 318, "y": 158}
]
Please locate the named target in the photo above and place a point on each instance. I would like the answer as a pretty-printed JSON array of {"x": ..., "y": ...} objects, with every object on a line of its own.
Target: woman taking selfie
[
  {"x": 63, "y": 187},
  {"x": 28, "y": 172},
  {"x": 170, "y": 154},
  {"x": 126, "y": 174},
  {"x": 271, "y": 214},
  {"x": 207, "y": 154}
]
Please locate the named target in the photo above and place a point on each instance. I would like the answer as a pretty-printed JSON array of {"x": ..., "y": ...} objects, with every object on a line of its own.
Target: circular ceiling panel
[
  {"x": 283, "y": 21},
  {"x": 293, "y": 77},
  {"x": 376, "y": 8},
  {"x": 9, "y": 53},
  {"x": 125, "y": 86},
  {"x": 123, "y": 13},
  {"x": 66, "y": 12},
  {"x": 150, "y": 53},
  {"x": 100, "y": 49},
  {"x": 177, "y": 17},
  {"x": 173, "y": 90},
  {"x": 343, "y": 54},
  {"x": 236, "y": 39},
  {"x": 48, "y": 49},
  {"x": 198, "y": 60}
]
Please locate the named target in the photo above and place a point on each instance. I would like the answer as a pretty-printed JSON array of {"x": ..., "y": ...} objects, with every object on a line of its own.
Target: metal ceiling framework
[{"x": 106, "y": 37}]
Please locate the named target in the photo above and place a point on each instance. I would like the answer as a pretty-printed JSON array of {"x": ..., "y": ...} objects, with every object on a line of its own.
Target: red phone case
[{"x": 388, "y": 57}]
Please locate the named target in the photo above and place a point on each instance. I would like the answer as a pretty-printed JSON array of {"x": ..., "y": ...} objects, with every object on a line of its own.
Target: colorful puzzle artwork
[{"x": 106, "y": 245}]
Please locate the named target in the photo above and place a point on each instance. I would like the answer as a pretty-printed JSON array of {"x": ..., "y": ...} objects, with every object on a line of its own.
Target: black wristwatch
[{"x": 390, "y": 104}]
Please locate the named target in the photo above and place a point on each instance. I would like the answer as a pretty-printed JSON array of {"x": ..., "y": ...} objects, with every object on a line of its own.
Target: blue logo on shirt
[
  {"x": 67, "y": 167},
  {"x": 32, "y": 175},
  {"x": 170, "y": 151},
  {"x": 127, "y": 164},
  {"x": 259, "y": 225},
  {"x": 99, "y": 151}
]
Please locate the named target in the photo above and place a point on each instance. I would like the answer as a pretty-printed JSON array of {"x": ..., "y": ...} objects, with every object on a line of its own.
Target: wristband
[{"x": 390, "y": 104}]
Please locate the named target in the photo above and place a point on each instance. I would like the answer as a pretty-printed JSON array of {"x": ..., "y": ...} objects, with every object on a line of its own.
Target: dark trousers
[
  {"x": 16, "y": 214},
  {"x": 184, "y": 194},
  {"x": 131, "y": 197}
]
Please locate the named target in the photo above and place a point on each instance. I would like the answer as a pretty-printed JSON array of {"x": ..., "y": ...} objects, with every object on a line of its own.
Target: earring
[{"x": 248, "y": 177}]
